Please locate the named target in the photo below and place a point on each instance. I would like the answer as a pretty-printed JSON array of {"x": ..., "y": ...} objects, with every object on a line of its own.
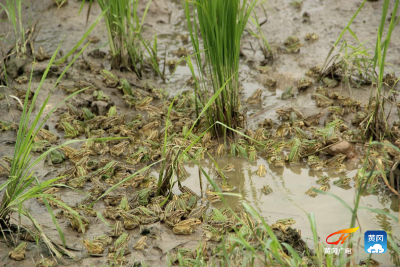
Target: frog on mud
[
  {"x": 255, "y": 98},
  {"x": 94, "y": 248},
  {"x": 141, "y": 243},
  {"x": 292, "y": 44},
  {"x": 55, "y": 157},
  {"x": 186, "y": 227},
  {"x": 283, "y": 224},
  {"x": 101, "y": 96},
  {"x": 18, "y": 253}
]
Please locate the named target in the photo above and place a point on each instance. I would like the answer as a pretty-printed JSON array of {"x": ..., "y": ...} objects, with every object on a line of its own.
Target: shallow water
[{"x": 288, "y": 200}]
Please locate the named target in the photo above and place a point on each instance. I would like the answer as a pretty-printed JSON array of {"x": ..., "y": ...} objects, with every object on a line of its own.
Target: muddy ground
[{"x": 165, "y": 18}]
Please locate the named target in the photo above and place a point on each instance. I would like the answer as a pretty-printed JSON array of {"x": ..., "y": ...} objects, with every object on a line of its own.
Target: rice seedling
[
  {"x": 221, "y": 25},
  {"x": 13, "y": 9},
  {"x": 352, "y": 63},
  {"x": 22, "y": 184},
  {"x": 125, "y": 39},
  {"x": 377, "y": 125}
]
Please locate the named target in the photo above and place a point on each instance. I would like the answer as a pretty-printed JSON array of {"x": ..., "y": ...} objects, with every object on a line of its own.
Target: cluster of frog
[
  {"x": 295, "y": 138},
  {"x": 298, "y": 137}
]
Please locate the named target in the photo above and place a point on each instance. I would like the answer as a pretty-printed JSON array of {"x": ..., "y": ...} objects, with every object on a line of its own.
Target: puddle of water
[{"x": 288, "y": 200}]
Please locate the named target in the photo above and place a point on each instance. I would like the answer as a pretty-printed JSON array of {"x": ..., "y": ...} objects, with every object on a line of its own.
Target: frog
[
  {"x": 40, "y": 146},
  {"x": 287, "y": 93},
  {"x": 310, "y": 191},
  {"x": 75, "y": 223},
  {"x": 317, "y": 165},
  {"x": 78, "y": 156},
  {"x": 78, "y": 182},
  {"x": 279, "y": 161},
  {"x": 109, "y": 79},
  {"x": 267, "y": 123},
  {"x": 174, "y": 218},
  {"x": 95, "y": 123},
  {"x": 220, "y": 151},
  {"x": 121, "y": 243},
  {"x": 172, "y": 63},
  {"x": 198, "y": 212},
  {"x": 22, "y": 79},
  {"x": 141, "y": 243},
  {"x": 119, "y": 149},
  {"x": 311, "y": 37},
  {"x": 70, "y": 131},
  {"x": 292, "y": 44},
  {"x": 311, "y": 159},
  {"x": 330, "y": 83},
  {"x": 334, "y": 161},
  {"x": 94, "y": 248},
  {"x": 270, "y": 82},
  {"x": 117, "y": 229},
  {"x": 284, "y": 114},
  {"x": 359, "y": 117},
  {"x": 304, "y": 83},
  {"x": 342, "y": 181},
  {"x": 181, "y": 51},
  {"x": 211, "y": 233},
  {"x": 390, "y": 79},
  {"x": 55, "y": 157},
  {"x": 228, "y": 168},
  {"x": 283, "y": 224},
  {"x": 225, "y": 187},
  {"x": 255, "y": 98},
  {"x": 41, "y": 54},
  {"x": 340, "y": 168},
  {"x": 130, "y": 221},
  {"x": 44, "y": 134},
  {"x": 186, "y": 227},
  {"x": 264, "y": 69},
  {"x": 322, "y": 101},
  {"x": 101, "y": 96},
  {"x": 261, "y": 170},
  {"x": 324, "y": 187},
  {"x": 266, "y": 189},
  {"x": 323, "y": 180},
  {"x": 143, "y": 104},
  {"x": 107, "y": 170},
  {"x": 147, "y": 128},
  {"x": 19, "y": 252},
  {"x": 212, "y": 198},
  {"x": 283, "y": 130},
  {"x": 313, "y": 119}
]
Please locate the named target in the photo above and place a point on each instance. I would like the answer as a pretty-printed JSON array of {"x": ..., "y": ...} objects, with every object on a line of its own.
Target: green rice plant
[
  {"x": 124, "y": 28},
  {"x": 221, "y": 24},
  {"x": 13, "y": 9},
  {"x": 377, "y": 124},
  {"x": 22, "y": 185}
]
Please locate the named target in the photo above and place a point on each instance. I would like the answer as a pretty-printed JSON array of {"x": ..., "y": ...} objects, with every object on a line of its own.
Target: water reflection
[{"x": 288, "y": 199}]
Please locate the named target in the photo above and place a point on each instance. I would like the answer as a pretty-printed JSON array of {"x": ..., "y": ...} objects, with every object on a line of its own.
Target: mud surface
[{"x": 166, "y": 19}]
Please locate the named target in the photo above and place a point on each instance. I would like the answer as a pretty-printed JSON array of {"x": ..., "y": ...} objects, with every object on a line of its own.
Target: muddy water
[
  {"x": 165, "y": 18},
  {"x": 288, "y": 199}
]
